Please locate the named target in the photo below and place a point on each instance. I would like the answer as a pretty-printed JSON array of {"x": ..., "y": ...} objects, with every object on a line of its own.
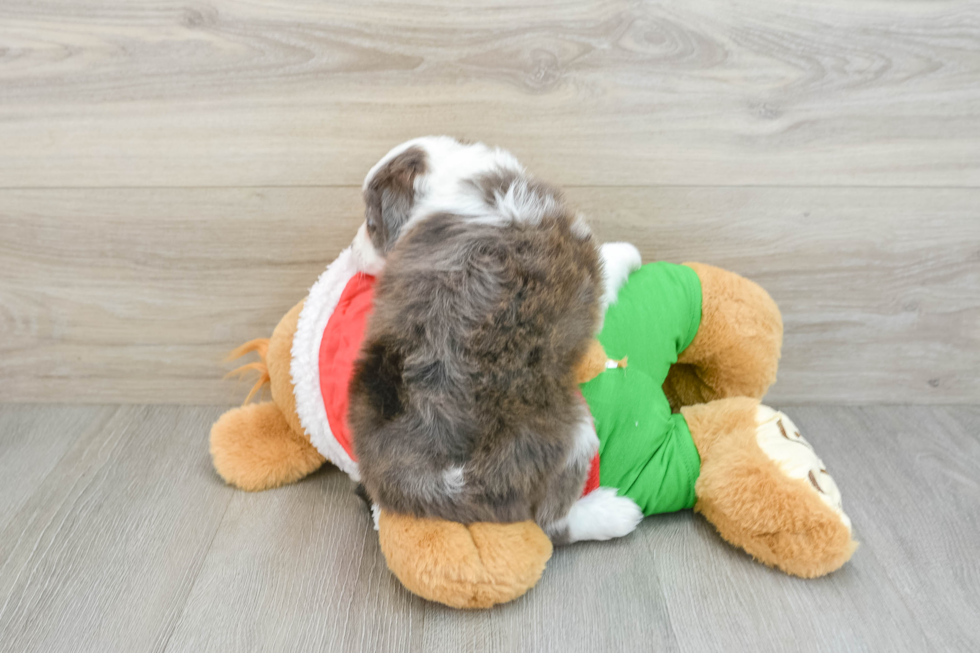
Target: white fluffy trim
[{"x": 305, "y": 366}]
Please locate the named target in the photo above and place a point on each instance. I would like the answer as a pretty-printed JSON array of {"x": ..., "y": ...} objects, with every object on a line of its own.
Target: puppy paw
[
  {"x": 602, "y": 515},
  {"x": 618, "y": 261}
]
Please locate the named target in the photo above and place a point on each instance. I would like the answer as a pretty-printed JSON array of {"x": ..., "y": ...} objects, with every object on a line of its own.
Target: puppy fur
[{"x": 464, "y": 404}]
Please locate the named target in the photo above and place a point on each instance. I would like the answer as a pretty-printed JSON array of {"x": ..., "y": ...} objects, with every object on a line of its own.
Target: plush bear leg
[
  {"x": 254, "y": 448},
  {"x": 261, "y": 446},
  {"x": 765, "y": 490},
  {"x": 736, "y": 350},
  {"x": 474, "y": 566},
  {"x": 279, "y": 358}
]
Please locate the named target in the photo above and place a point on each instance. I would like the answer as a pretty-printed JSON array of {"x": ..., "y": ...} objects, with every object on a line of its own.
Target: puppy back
[{"x": 463, "y": 402}]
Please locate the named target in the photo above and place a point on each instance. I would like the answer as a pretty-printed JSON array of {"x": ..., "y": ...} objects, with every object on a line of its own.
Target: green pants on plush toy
[{"x": 644, "y": 450}]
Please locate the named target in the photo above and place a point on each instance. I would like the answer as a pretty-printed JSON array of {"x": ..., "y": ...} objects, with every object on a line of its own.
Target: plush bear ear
[{"x": 389, "y": 194}]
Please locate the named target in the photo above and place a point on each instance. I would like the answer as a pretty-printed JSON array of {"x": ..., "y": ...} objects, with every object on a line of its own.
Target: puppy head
[{"x": 423, "y": 176}]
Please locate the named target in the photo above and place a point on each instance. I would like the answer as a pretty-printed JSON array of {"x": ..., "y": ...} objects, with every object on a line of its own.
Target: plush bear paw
[
  {"x": 463, "y": 566},
  {"x": 602, "y": 515},
  {"x": 254, "y": 448},
  {"x": 781, "y": 441}
]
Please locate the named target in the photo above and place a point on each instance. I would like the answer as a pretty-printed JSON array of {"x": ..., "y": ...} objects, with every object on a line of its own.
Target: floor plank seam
[
  {"x": 660, "y": 589},
  {"x": 197, "y": 576},
  {"x": 41, "y": 484}
]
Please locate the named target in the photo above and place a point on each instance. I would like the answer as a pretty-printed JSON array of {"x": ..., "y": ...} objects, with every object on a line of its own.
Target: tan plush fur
[
  {"x": 475, "y": 566},
  {"x": 778, "y": 520},
  {"x": 592, "y": 364},
  {"x": 262, "y": 446},
  {"x": 736, "y": 350},
  {"x": 279, "y": 359},
  {"x": 254, "y": 448}
]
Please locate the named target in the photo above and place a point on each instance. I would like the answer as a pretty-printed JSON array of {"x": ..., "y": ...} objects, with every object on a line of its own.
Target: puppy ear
[{"x": 390, "y": 194}]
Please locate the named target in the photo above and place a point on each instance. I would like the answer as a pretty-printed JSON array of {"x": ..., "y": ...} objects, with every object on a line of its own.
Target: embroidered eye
[
  {"x": 813, "y": 482},
  {"x": 798, "y": 439}
]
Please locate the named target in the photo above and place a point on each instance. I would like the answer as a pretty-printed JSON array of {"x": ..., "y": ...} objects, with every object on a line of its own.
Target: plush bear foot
[
  {"x": 254, "y": 448},
  {"x": 765, "y": 490},
  {"x": 779, "y": 438},
  {"x": 474, "y": 566}
]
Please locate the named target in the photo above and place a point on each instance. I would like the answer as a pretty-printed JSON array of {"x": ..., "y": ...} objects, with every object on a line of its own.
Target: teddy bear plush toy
[{"x": 673, "y": 382}]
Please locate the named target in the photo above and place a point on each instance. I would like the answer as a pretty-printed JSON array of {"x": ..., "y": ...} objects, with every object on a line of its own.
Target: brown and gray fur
[{"x": 463, "y": 403}]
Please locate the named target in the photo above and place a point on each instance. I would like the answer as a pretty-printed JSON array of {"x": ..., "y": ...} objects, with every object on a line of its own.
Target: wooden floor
[{"x": 116, "y": 535}]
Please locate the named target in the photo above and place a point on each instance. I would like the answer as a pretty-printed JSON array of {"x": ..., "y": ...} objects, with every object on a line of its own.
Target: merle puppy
[{"x": 463, "y": 404}]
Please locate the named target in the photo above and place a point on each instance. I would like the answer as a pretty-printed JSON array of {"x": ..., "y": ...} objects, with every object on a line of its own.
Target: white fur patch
[
  {"x": 586, "y": 441},
  {"x": 619, "y": 260},
  {"x": 779, "y": 439},
  {"x": 453, "y": 480},
  {"x": 581, "y": 228},
  {"x": 305, "y": 363},
  {"x": 602, "y": 515},
  {"x": 376, "y": 515},
  {"x": 366, "y": 257},
  {"x": 519, "y": 203}
]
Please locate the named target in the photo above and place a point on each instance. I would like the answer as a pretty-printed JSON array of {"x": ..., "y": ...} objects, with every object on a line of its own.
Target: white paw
[
  {"x": 618, "y": 261},
  {"x": 779, "y": 438},
  {"x": 602, "y": 515}
]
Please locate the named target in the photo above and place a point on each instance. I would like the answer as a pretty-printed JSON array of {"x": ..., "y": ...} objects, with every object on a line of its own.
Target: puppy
[{"x": 463, "y": 405}]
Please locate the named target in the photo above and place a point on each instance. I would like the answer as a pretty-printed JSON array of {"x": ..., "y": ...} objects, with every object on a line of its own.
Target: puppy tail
[{"x": 261, "y": 347}]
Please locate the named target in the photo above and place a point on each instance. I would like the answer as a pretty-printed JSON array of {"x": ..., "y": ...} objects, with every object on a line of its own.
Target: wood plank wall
[{"x": 174, "y": 175}]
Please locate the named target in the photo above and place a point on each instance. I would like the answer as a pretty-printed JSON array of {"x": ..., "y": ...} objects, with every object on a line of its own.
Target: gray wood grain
[
  {"x": 314, "y": 579},
  {"x": 102, "y": 556},
  {"x": 914, "y": 475},
  {"x": 592, "y": 597},
  {"x": 131, "y": 543},
  {"x": 287, "y": 92},
  {"x": 175, "y": 177},
  {"x": 33, "y": 441},
  {"x": 858, "y": 608},
  {"x": 136, "y": 295}
]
